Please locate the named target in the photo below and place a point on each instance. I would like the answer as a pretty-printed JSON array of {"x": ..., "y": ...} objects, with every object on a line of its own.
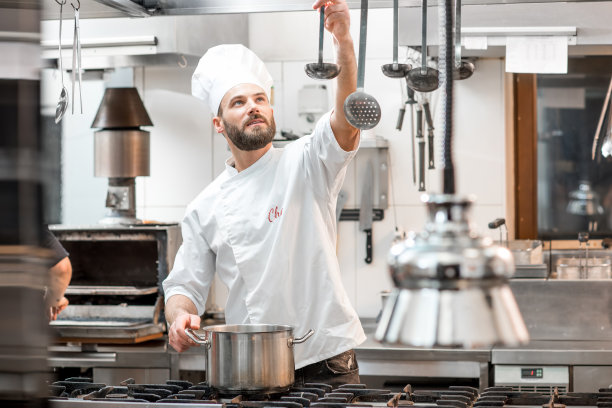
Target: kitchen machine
[{"x": 114, "y": 323}]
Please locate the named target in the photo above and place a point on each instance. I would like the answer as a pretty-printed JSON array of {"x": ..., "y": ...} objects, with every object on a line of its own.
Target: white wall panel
[{"x": 180, "y": 148}]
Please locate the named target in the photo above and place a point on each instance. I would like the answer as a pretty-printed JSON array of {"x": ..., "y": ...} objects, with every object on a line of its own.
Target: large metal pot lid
[{"x": 248, "y": 328}]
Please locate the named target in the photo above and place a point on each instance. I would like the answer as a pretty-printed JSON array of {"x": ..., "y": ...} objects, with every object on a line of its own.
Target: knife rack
[{"x": 352, "y": 214}]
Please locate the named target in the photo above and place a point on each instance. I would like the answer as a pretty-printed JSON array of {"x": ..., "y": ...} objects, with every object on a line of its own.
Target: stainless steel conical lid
[
  {"x": 451, "y": 285},
  {"x": 121, "y": 108}
]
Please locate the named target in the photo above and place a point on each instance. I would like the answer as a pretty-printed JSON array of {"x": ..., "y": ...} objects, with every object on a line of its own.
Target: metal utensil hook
[
  {"x": 61, "y": 3},
  {"x": 75, "y": 8}
]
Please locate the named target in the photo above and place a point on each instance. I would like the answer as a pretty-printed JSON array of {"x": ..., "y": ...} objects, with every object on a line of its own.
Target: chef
[{"x": 266, "y": 225}]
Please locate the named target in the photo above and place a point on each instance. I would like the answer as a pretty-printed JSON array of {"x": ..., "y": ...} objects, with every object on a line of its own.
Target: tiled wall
[{"x": 186, "y": 154}]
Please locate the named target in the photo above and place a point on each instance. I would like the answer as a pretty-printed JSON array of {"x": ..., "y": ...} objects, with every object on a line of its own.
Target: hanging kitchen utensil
[
  {"x": 62, "y": 103},
  {"x": 463, "y": 69},
  {"x": 395, "y": 70},
  {"x": 366, "y": 211},
  {"x": 600, "y": 122},
  {"x": 400, "y": 117},
  {"x": 402, "y": 109},
  {"x": 362, "y": 110},
  {"x": 397, "y": 236},
  {"x": 430, "y": 135},
  {"x": 606, "y": 146},
  {"x": 76, "y": 56},
  {"x": 423, "y": 78},
  {"x": 421, "y": 139},
  {"x": 412, "y": 102},
  {"x": 322, "y": 70}
]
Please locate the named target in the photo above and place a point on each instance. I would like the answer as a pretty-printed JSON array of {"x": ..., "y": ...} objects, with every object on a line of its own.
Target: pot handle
[
  {"x": 193, "y": 336},
  {"x": 301, "y": 339}
]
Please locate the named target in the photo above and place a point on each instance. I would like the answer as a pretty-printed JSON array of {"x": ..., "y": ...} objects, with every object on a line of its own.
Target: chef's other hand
[
  {"x": 54, "y": 310},
  {"x": 337, "y": 17},
  {"x": 176, "y": 335}
]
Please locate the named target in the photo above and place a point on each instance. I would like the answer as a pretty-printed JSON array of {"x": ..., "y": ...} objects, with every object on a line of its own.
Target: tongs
[{"x": 76, "y": 56}]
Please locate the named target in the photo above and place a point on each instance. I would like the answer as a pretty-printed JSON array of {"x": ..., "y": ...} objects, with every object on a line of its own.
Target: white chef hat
[{"x": 225, "y": 66}]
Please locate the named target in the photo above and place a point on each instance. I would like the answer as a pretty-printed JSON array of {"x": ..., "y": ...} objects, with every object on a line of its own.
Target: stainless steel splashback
[{"x": 565, "y": 309}]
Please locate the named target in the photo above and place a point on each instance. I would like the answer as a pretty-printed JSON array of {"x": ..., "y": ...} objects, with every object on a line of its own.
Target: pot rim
[{"x": 248, "y": 328}]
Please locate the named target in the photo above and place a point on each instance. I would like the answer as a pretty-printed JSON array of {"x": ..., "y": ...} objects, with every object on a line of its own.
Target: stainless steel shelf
[{"x": 110, "y": 290}]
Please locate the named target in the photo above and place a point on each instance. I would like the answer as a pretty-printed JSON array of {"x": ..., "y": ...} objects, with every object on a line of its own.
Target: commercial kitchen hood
[
  {"x": 167, "y": 35},
  {"x": 584, "y": 23},
  {"x": 144, "y": 8},
  {"x": 127, "y": 42}
]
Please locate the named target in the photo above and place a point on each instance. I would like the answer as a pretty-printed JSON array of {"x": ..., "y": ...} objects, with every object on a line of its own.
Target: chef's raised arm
[{"x": 337, "y": 22}]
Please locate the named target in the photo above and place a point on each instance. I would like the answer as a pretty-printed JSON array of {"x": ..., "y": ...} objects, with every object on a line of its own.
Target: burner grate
[{"x": 314, "y": 395}]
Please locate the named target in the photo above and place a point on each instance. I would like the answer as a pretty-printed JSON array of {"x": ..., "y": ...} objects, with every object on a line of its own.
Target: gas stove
[{"x": 83, "y": 392}]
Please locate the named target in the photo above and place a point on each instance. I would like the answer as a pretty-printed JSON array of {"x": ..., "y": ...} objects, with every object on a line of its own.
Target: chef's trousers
[{"x": 337, "y": 370}]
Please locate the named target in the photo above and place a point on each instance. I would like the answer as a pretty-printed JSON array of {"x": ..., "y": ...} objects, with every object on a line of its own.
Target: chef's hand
[
  {"x": 337, "y": 22},
  {"x": 176, "y": 335},
  {"x": 54, "y": 310},
  {"x": 337, "y": 17}
]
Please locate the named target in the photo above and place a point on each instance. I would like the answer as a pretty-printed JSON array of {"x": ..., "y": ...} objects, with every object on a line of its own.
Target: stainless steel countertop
[
  {"x": 561, "y": 352},
  {"x": 372, "y": 349},
  {"x": 150, "y": 354}
]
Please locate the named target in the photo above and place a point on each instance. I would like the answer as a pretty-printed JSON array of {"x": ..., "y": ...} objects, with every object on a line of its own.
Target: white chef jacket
[{"x": 269, "y": 231}]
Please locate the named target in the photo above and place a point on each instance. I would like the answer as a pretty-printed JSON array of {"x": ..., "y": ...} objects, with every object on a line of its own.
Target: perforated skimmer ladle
[
  {"x": 423, "y": 78},
  {"x": 322, "y": 70},
  {"x": 395, "y": 70},
  {"x": 463, "y": 69},
  {"x": 362, "y": 110}
]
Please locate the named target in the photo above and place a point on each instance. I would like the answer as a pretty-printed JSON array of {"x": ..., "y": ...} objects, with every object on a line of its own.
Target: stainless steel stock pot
[{"x": 249, "y": 358}]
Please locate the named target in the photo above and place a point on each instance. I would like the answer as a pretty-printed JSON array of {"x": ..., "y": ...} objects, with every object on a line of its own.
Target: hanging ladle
[
  {"x": 395, "y": 70},
  {"x": 322, "y": 70},
  {"x": 463, "y": 69},
  {"x": 423, "y": 78},
  {"x": 62, "y": 104},
  {"x": 360, "y": 109},
  {"x": 76, "y": 57}
]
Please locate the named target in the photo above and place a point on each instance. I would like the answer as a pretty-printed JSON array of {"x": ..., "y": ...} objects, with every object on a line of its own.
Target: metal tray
[{"x": 531, "y": 271}]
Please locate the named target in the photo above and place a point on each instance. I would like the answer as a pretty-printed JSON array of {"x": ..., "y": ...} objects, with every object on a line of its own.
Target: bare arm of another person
[
  {"x": 181, "y": 314},
  {"x": 337, "y": 22},
  {"x": 59, "y": 279}
]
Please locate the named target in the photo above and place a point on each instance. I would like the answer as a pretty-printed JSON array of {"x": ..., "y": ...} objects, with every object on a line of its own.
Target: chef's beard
[{"x": 251, "y": 139}]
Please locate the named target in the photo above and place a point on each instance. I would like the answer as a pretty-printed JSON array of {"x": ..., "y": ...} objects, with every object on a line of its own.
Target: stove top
[{"x": 83, "y": 392}]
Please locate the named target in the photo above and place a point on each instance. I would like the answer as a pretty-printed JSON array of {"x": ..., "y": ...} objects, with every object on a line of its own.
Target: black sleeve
[{"x": 50, "y": 242}]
